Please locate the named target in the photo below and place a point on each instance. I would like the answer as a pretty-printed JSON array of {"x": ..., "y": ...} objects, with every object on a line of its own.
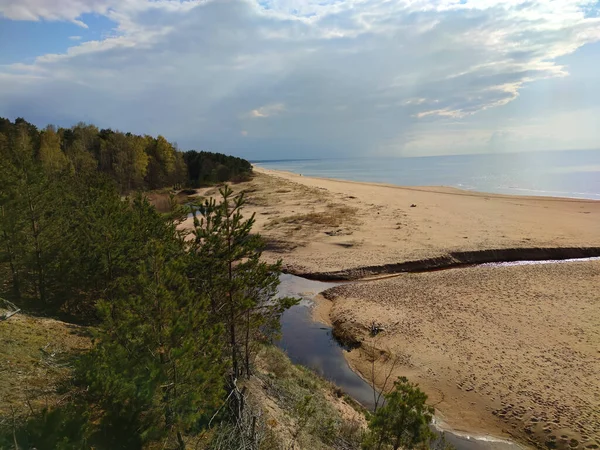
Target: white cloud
[
  {"x": 267, "y": 110},
  {"x": 339, "y": 76},
  {"x": 445, "y": 112},
  {"x": 75, "y": 38},
  {"x": 72, "y": 10},
  {"x": 67, "y": 10}
]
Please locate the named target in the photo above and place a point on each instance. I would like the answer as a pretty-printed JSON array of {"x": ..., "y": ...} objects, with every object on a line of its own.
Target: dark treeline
[
  {"x": 208, "y": 167},
  {"x": 134, "y": 162}
]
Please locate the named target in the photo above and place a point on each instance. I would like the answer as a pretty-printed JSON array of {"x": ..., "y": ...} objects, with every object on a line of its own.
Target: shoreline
[
  {"x": 485, "y": 404},
  {"x": 441, "y": 189},
  {"x": 329, "y": 226},
  {"x": 316, "y": 310},
  {"x": 321, "y": 312}
]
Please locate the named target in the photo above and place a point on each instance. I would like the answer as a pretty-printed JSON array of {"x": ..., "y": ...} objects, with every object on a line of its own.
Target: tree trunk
[
  {"x": 232, "y": 337},
  {"x": 13, "y": 266},
  {"x": 180, "y": 441},
  {"x": 109, "y": 262},
  {"x": 35, "y": 228},
  {"x": 247, "y": 344},
  {"x": 382, "y": 434}
]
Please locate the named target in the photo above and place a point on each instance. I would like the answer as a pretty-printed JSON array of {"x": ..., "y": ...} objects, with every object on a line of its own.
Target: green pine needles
[
  {"x": 403, "y": 421},
  {"x": 241, "y": 287}
]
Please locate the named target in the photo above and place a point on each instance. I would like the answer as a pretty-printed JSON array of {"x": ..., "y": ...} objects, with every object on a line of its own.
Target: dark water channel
[{"x": 311, "y": 344}]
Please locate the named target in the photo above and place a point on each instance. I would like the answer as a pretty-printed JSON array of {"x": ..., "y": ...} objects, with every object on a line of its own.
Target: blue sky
[
  {"x": 310, "y": 78},
  {"x": 23, "y": 41}
]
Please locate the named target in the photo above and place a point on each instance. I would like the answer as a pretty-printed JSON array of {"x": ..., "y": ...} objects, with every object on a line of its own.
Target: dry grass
[
  {"x": 35, "y": 359},
  {"x": 334, "y": 216},
  {"x": 306, "y": 411},
  {"x": 259, "y": 200},
  {"x": 161, "y": 199}
]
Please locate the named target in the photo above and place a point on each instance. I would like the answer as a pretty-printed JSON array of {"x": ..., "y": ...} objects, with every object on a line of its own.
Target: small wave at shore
[
  {"x": 545, "y": 261},
  {"x": 477, "y": 441},
  {"x": 546, "y": 193}
]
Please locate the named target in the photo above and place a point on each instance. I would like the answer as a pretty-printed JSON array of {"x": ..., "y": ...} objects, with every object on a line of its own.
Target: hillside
[{"x": 37, "y": 359}]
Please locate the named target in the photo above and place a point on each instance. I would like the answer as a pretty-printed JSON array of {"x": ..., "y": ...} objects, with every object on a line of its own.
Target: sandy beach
[
  {"x": 507, "y": 351},
  {"x": 322, "y": 225},
  {"x": 498, "y": 349}
]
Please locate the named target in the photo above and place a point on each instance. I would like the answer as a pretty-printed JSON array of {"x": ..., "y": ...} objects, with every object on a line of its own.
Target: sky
[{"x": 274, "y": 79}]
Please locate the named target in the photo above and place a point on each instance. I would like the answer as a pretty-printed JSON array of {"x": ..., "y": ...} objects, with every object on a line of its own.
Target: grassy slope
[
  {"x": 35, "y": 356},
  {"x": 302, "y": 409},
  {"x": 299, "y": 409}
]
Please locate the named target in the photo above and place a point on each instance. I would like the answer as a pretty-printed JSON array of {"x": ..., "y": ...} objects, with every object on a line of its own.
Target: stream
[{"x": 311, "y": 344}]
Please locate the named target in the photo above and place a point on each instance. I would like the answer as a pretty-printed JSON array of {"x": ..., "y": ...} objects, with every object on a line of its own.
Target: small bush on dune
[{"x": 403, "y": 421}]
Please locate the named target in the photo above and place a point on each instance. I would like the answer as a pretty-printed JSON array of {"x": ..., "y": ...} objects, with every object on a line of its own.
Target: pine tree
[
  {"x": 159, "y": 361},
  {"x": 28, "y": 204},
  {"x": 35, "y": 213},
  {"x": 403, "y": 421},
  {"x": 240, "y": 286},
  {"x": 11, "y": 222}
]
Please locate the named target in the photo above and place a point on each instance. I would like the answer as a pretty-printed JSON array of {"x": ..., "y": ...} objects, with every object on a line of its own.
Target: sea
[{"x": 573, "y": 173}]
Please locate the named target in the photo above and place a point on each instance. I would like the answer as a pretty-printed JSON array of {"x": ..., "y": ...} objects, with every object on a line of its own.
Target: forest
[
  {"x": 207, "y": 167},
  {"x": 174, "y": 320},
  {"x": 133, "y": 162},
  {"x": 175, "y": 315}
]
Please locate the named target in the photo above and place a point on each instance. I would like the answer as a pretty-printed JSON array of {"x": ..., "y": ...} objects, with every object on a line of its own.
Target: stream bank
[
  {"x": 460, "y": 259},
  {"x": 312, "y": 344}
]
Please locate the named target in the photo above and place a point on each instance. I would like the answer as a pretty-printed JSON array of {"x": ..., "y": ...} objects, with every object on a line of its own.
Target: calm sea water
[{"x": 562, "y": 174}]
